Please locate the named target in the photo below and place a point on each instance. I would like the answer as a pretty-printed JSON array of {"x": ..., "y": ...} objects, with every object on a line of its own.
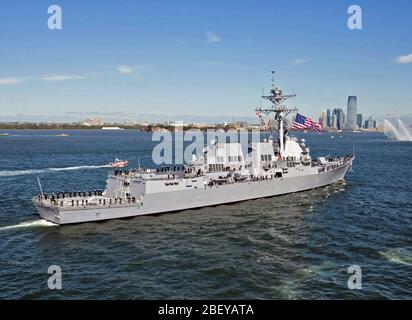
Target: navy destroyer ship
[{"x": 224, "y": 174}]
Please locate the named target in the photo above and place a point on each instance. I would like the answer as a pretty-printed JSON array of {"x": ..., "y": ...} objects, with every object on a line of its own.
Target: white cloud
[
  {"x": 60, "y": 77},
  {"x": 299, "y": 61},
  {"x": 405, "y": 59},
  {"x": 214, "y": 62},
  {"x": 212, "y": 37},
  {"x": 8, "y": 81},
  {"x": 125, "y": 70}
]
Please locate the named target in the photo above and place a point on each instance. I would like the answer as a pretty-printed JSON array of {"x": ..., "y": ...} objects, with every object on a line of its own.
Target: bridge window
[
  {"x": 266, "y": 157},
  {"x": 216, "y": 167}
]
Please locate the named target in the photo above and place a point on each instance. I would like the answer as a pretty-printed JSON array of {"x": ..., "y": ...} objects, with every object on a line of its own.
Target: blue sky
[{"x": 206, "y": 58}]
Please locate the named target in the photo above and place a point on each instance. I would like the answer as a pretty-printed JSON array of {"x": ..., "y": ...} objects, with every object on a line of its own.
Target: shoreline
[{"x": 5, "y": 130}]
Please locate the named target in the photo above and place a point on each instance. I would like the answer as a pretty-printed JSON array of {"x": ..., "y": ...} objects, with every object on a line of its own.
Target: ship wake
[
  {"x": 398, "y": 255},
  {"x": 13, "y": 173},
  {"x": 29, "y": 224}
]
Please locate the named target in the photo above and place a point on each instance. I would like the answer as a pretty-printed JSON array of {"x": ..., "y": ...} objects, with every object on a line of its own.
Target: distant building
[
  {"x": 328, "y": 118},
  {"x": 339, "y": 122},
  {"x": 359, "y": 120},
  {"x": 323, "y": 120},
  {"x": 370, "y": 123},
  {"x": 176, "y": 124},
  {"x": 241, "y": 124},
  {"x": 333, "y": 123},
  {"x": 145, "y": 123},
  {"x": 98, "y": 121},
  {"x": 352, "y": 110},
  {"x": 200, "y": 125}
]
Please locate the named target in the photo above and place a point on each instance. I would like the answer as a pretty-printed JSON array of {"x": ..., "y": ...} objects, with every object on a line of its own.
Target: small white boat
[
  {"x": 4, "y": 134},
  {"x": 112, "y": 128},
  {"x": 62, "y": 135},
  {"x": 119, "y": 163}
]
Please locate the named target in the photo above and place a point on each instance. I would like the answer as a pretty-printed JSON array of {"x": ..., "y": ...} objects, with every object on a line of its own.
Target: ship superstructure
[{"x": 222, "y": 174}]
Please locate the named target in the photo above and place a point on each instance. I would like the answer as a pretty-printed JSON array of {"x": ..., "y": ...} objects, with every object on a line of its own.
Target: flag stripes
[{"x": 302, "y": 122}]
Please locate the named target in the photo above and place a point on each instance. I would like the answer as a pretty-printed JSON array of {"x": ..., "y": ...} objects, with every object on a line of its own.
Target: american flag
[
  {"x": 301, "y": 122},
  {"x": 262, "y": 121}
]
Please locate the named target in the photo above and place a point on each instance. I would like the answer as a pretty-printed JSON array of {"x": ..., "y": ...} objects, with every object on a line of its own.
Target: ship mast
[{"x": 280, "y": 111}]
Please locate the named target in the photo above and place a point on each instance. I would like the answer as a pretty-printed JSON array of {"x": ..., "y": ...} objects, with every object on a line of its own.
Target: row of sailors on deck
[
  {"x": 62, "y": 195},
  {"x": 121, "y": 172},
  {"x": 344, "y": 158},
  {"x": 101, "y": 201},
  {"x": 158, "y": 170}
]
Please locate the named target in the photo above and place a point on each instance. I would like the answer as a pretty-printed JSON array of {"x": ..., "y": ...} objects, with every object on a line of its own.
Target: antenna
[
  {"x": 41, "y": 190},
  {"x": 294, "y": 97},
  {"x": 281, "y": 111},
  {"x": 353, "y": 156}
]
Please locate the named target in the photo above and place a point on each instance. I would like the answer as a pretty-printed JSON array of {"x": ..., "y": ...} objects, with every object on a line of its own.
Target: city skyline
[
  {"x": 204, "y": 60},
  {"x": 336, "y": 119}
]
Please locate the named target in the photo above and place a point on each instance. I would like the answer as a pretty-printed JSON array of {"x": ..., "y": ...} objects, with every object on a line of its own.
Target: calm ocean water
[{"x": 297, "y": 246}]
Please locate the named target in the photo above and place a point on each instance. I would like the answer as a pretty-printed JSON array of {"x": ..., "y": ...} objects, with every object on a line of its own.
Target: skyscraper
[
  {"x": 328, "y": 118},
  {"x": 370, "y": 123},
  {"x": 338, "y": 123},
  {"x": 333, "y": 121},
  {"x": 352, "y": 109},
  {"x": 359, "y": 120},
  {"x": 323, "y": 120}
]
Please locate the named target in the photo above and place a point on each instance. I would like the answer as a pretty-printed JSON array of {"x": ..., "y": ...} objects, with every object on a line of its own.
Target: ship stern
[{"x": 46, "y": 212}]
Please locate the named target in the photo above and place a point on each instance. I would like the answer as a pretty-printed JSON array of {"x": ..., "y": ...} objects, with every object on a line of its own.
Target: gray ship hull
[{"x": 154, "y": 203}]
